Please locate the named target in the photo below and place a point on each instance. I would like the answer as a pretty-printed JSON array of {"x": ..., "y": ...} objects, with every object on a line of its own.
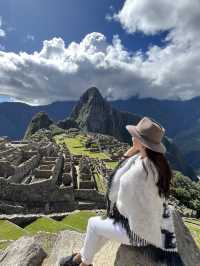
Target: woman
[{"x": 136, "y": 192}]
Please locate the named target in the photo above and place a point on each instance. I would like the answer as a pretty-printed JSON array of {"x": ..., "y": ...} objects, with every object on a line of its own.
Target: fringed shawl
[{"x": 132, "y": 199}]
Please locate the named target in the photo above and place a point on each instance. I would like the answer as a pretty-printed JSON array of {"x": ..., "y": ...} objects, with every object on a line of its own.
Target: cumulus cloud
[
  {"x": 58, "y": 72},
  {"x": 176, "y": 66}
]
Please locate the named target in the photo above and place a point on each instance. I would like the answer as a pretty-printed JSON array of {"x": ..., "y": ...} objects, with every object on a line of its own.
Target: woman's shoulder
[
  {"x": 137, "y": 167},
  {"x": 144, "y": 166}
]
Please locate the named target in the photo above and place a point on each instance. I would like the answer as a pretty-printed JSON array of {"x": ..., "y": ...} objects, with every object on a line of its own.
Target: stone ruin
[
  {"x": 85, "y": 175},
  {"x": 105, "y": 143},
  {"x": 41, "y": 177}
]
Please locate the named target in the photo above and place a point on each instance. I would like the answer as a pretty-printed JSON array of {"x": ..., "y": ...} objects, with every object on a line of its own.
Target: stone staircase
[{"x": 46, "y": 250}]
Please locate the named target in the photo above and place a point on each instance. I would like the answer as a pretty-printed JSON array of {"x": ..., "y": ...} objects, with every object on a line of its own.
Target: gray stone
[
  {"x": 67, "y": 179},
  {"x": 23, "y": 252}
]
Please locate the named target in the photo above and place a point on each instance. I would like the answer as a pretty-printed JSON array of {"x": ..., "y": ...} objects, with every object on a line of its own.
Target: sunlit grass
[
  {"x": 79, "y": 220},
  {"x": 194, "y": 226},
  {"x": 47, "y": 224},
  {"x": 76, "y": 221},
  {"x": 76, "y": 146},
  {"x": 10, "y": 231}
]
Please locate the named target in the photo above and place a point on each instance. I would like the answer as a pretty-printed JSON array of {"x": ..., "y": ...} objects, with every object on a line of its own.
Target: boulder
[{"x": 23, "y": 252}]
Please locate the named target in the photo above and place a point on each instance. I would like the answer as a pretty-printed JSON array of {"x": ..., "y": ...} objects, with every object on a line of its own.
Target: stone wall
[
  {"x": 90, "y": 195},
  {"x": 36, "y": 196},
  {"x": 23, "y": 169}
]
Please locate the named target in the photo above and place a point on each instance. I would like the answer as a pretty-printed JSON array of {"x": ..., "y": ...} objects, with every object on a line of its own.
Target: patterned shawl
[{"x": 168, "y": 244}]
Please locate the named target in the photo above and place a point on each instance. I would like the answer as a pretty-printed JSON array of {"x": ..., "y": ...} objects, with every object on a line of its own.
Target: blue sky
[
  {"x": 71, "y": 20},
  {"x": 26, "y": 24}
]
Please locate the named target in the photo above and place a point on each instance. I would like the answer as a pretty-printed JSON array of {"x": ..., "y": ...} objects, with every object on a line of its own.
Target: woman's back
[{"x": 136, "y": 197}]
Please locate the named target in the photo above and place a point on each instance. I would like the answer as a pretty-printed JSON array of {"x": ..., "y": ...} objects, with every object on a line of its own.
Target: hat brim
[{"x": 155, "y": 147}]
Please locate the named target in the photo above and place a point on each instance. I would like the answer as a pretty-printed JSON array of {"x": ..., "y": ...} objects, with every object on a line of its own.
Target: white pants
[{"x": 98, "y": 232}]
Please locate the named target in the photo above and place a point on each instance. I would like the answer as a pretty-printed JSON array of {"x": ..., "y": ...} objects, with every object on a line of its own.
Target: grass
[
  {"x": 10, "y": 231},
  {"x": 76, "y": 222},
  {"x": 79, "y": 220},
  {"x": 48, "y": 225},
  {"x": 192, "y": 220},
  {"x": 194, "y": 226},
  {"x": 101, "y": 183},
  {"x": 111, "y": 165},
  {"x": 76, "y": 146}
]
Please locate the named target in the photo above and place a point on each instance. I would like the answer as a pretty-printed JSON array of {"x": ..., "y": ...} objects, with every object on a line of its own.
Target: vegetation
[
  {"x": 194, "y": 226},
  {"x": 186, "y": 191}
]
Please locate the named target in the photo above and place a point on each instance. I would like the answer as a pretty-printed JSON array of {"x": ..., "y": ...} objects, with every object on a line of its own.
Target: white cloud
[
  {"x": 2, "y": 32},
  {"x": 108, "y": 17},
  {"x": 30, "y": 37},
  {"x": 152, "y": 16},
  {"x": 58, "y": 72},
  {"x": 175, "y": 67}
]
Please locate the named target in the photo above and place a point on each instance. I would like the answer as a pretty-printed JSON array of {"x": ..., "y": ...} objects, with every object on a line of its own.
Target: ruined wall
[
  {"x": 39, "y": 196},
  {"x": 22, "y": 170}
]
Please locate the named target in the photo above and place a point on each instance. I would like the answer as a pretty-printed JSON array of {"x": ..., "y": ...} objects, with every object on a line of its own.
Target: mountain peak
[
  {"x": 91, "y": 103},
  {"x": 39, "y": 120},
  {"x": 90, "y": 93}
]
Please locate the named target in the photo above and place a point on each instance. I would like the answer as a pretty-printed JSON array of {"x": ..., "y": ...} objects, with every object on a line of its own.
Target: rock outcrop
[
  {"x": 23, "y": 252},
  {"x": 111, "y": 254}
]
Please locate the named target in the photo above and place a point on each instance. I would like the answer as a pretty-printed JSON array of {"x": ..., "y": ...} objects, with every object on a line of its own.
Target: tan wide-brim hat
[{"x": 150, "y": 134}]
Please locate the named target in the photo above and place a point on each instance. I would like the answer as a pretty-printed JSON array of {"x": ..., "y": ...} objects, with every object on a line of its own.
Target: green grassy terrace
[
  {"x": 194, "y": 226},
  {"x": 76, "y": 221},
  {"x": 76, "y": 147}
]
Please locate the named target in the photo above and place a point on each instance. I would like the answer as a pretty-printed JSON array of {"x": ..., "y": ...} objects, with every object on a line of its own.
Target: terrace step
[{"x": 86, "y": 205}]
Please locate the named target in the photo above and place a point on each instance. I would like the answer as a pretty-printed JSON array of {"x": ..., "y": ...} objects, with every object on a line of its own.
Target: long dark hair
[{"x": 164, "y": 170}]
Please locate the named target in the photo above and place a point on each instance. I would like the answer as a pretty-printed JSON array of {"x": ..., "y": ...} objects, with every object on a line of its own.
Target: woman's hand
[{"x": 130, "y": 152}]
